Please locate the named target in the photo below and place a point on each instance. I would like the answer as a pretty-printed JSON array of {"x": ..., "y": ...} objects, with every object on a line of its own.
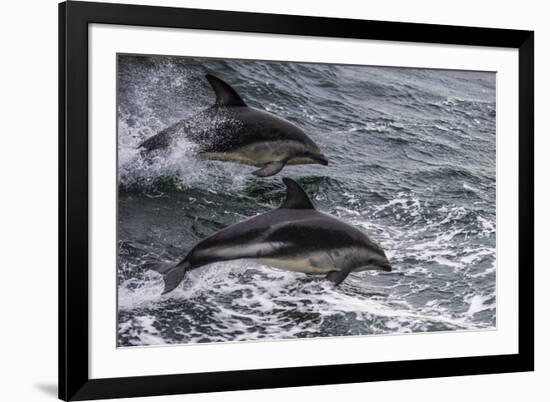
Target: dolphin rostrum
[
  {"x": 294, "y": 236},
  {"x": 232, "y": 131}
]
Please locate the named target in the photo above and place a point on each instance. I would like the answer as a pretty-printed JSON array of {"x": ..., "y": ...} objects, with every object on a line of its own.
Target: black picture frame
[{"x": 74, "y": 381}]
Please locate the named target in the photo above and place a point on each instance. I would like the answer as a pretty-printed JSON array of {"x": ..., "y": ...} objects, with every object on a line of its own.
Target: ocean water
[{"x": 412, "y": 163}]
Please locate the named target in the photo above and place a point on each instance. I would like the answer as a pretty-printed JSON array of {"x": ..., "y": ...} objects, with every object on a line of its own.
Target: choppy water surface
[{"x": 412, "y": 155}]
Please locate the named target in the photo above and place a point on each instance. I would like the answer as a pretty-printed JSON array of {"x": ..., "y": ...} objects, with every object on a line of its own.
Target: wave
[
  {"x": 412, "y": 160},
  {"x": 269, "y": 304}
]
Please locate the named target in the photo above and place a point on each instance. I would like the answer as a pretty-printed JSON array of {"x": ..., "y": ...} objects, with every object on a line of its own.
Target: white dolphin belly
[
  {"x": 320, "y": 263},
  {"x": 315, "y": 263},
  {"x": 260, "y": 153}
]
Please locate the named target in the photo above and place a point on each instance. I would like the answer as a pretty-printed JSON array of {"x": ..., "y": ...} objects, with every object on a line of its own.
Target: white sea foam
[
  {"x": 141, "y": 331},
  {"x": 270, "y": 298}
]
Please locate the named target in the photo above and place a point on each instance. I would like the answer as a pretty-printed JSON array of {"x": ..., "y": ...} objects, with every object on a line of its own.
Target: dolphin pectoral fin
[
  {"x": 172, "y": 274},
  {"x": 337, "y": 277},
  {"x": 269, "y": 169}
]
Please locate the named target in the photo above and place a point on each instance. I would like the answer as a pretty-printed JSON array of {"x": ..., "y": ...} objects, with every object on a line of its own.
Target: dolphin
[
  {"x": 294, "y": 237},
  {"x": 232, "y": 131}
]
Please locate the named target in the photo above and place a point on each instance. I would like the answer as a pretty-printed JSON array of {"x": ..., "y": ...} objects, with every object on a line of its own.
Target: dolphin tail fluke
[
  {"x": 172, "y": 274},
  {"x": 337, "y": 277}
]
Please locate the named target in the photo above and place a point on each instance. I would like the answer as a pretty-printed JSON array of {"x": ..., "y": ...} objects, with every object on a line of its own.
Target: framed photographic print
[{"x": 258, "y": 201}]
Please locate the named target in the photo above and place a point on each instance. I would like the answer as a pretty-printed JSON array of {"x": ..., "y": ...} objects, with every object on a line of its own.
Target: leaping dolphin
[
  {"x": 232, "y": 131},
  {"x": 294, "y": 236}
]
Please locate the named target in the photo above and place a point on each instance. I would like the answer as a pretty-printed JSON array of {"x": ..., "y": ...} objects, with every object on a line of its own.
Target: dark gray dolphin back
[{"x": 225, "y": 95}]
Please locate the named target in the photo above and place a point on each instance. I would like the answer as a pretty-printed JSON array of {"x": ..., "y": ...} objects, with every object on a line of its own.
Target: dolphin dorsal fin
[
  {"x": 225, "y": 95},
  {"x": 296, "y": 198}
]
